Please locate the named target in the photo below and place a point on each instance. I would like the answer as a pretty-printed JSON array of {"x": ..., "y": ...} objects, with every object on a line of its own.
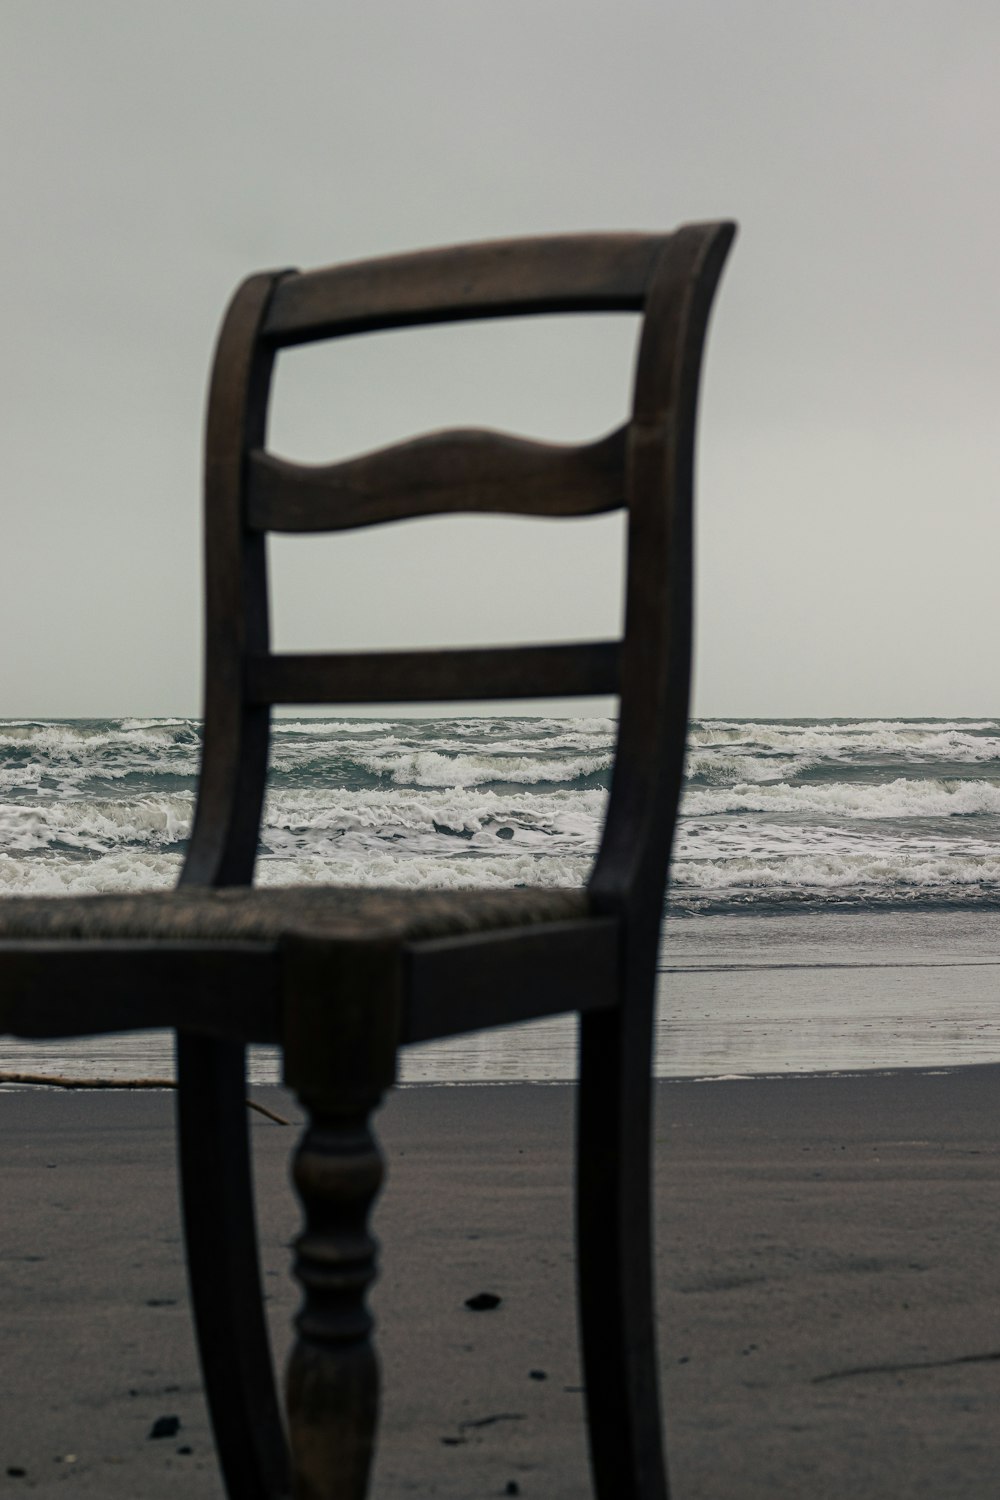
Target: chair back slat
[
  {"x": 560, "y": 273},
  {"x": 466, "y": 470},
  {"x": 576, "y": 670}
]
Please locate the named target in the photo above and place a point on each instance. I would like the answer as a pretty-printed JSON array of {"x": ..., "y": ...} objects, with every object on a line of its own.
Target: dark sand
[{"x": 828, "y": 1263}]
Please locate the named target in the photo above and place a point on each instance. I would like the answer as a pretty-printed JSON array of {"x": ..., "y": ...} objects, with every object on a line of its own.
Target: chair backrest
[{"x": 646, "y": 466}]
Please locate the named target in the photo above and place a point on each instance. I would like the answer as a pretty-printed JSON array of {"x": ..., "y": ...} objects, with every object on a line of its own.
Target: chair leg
[
  {"x": 614, "y": 1258},
  {"x": 333, "y": 1377},
  {"x": 223, "y": 1270}
]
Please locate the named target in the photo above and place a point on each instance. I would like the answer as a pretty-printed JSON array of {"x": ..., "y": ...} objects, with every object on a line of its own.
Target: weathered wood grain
[
  {"x": 467, "y": 470},
  {"x": 503, "y": 278},
  {"x": 574, "y": 670}
]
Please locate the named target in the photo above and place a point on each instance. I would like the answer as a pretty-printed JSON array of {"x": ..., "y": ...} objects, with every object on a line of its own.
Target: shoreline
[
  {"x": 826, "y": 1271},
  {"x": 749, "y": 995},
  {"x": 123, "y": 1086}
]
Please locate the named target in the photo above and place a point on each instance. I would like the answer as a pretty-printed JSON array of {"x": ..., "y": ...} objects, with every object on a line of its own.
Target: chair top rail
[
  {"x": 575, "y": 669},
  {"x": 464, "y": 470},
  {"x": 502, "y": 278}
]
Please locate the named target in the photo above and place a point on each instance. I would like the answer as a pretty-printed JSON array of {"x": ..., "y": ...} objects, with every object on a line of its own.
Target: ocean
[{"x": 834, "y": 894}]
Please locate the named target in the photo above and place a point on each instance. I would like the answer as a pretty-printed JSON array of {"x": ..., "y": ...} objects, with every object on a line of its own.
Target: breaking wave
[
  {"x": 776, "y": 813},
  {"x": 899, "y": 798}
]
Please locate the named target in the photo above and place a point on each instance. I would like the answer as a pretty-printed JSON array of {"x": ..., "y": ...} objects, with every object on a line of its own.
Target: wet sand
[{"x": 827, "y": 1249}]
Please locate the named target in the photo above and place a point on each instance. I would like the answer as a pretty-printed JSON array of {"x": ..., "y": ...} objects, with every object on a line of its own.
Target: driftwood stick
[{"x": 59, "y": 1081}]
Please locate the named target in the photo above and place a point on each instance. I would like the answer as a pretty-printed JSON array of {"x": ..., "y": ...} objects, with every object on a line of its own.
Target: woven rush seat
[{"x": 248, "y": 914}]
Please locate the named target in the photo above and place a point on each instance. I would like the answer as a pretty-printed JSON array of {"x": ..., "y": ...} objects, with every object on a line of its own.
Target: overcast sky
[{"x": 849, "y": 486}]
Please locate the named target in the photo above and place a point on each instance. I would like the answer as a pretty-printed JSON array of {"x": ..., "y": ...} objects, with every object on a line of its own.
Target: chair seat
[{"x": 241, "y": 913}]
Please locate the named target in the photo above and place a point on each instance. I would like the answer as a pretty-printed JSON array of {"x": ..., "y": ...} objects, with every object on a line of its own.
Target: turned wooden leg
[
  {"x": 333, "y": 1379},
  {"x": 341, "y": 1011}
]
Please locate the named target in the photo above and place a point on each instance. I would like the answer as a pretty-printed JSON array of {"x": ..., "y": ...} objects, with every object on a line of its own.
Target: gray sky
[{"x": 849, "y": 522}]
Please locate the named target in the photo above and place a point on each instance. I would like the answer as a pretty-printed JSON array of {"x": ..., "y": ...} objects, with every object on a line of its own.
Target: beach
[
  {"x": 826, "y": 1272},
  {"x": 827, "y": 1049}
]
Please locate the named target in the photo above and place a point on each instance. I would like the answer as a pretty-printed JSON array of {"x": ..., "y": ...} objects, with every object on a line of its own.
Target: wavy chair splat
[{"x": 341, "y": 978}]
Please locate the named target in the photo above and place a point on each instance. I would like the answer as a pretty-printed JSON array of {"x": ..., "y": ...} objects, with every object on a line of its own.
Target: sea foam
[{"x": 808, "y": 811}]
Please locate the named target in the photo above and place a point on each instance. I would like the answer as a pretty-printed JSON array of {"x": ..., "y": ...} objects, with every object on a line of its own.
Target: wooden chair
[{"x": 341, "y": 978}]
